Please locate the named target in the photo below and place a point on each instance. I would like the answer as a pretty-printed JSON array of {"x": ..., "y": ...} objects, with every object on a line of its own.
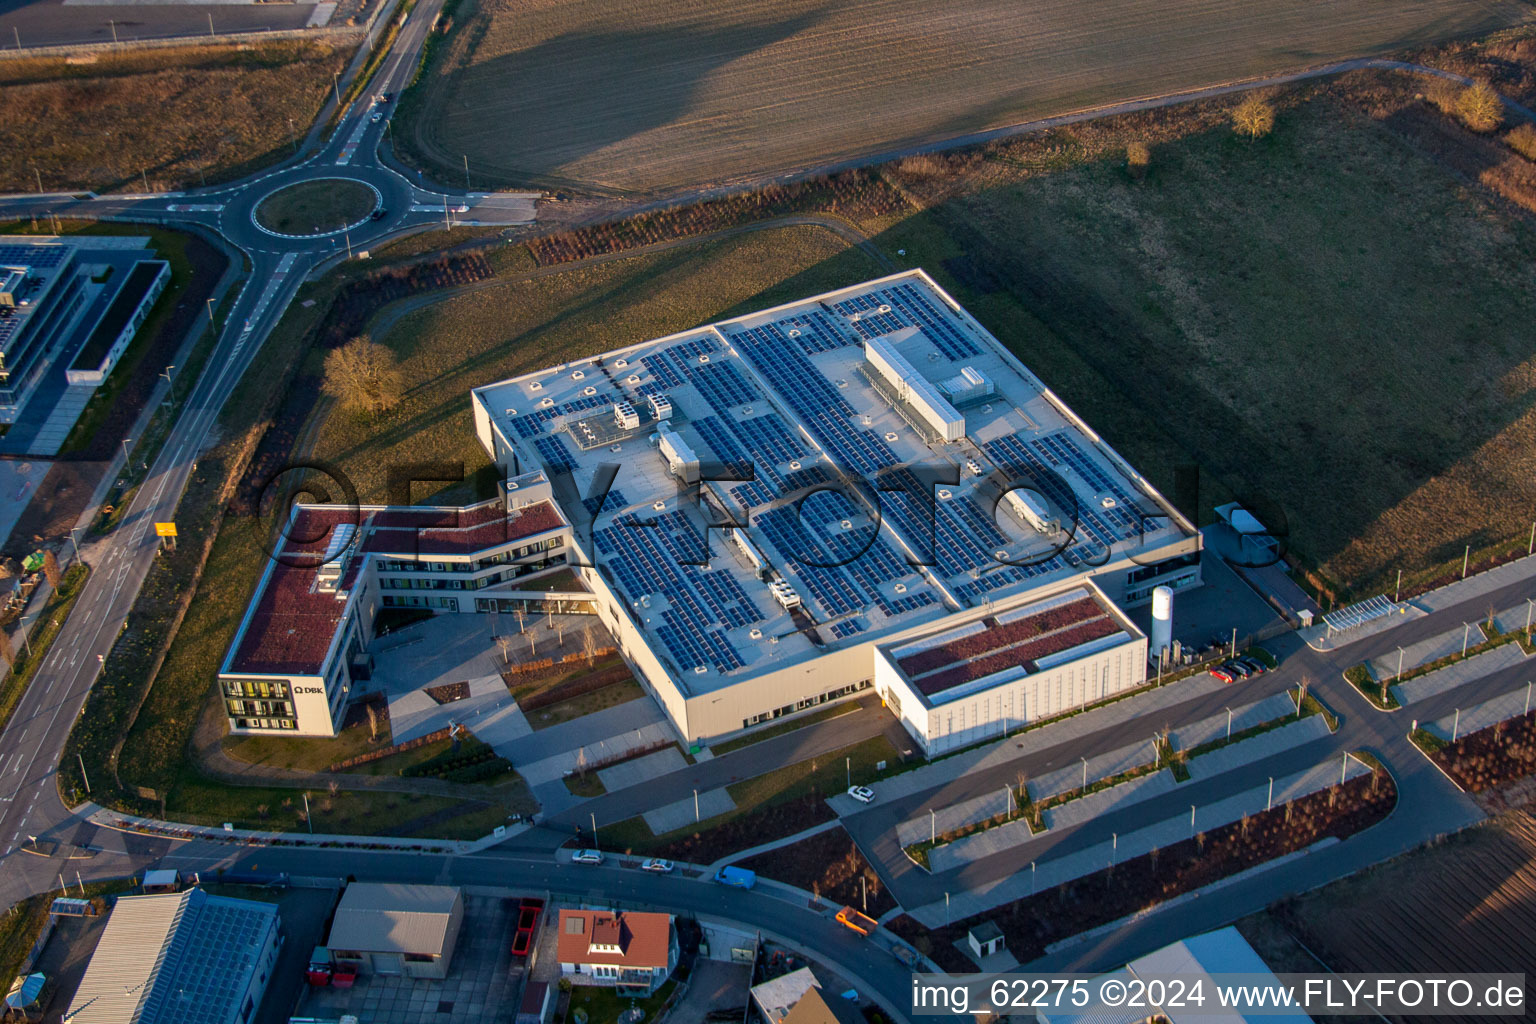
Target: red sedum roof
[{"x": 293, "y": 622}]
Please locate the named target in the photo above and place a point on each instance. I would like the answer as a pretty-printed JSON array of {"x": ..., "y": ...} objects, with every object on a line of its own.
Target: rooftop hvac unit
[
  {"x": 661, "y": 406},
  {"x": 915, "y": 389},
  {"x": 784, "y": 594},
  {"x": 1031, "y": 508},
  {"x": 681, "y": 459},
  {"x": 969, "y": 385},
  {"x": 624, "y": 416}
]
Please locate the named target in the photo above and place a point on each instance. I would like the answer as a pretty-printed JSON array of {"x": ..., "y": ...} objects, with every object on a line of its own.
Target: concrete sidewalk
[
  {"x": 1165, "y": 833},
  {"x": 1257, "y": 748},
  {"x": 1031, "y": 742},
  {"x": 1425, "y": 651},
  {"x": 1474, "y": 586},
  {"x": 1482, "y": 716},
  {"x": 1093, "y": 769},
  {"x": 1459, "y": 674},
  {"x": 1247, "y": 716}
]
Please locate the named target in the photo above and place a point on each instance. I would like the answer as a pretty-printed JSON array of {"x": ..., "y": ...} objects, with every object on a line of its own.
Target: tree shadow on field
[{"x": 533, "y": 114}]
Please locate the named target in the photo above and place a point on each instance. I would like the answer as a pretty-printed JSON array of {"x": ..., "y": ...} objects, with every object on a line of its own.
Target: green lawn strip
[
  {"x": 1379, "y": 694},
  {"x": 780, "y": 728},
  {"x": 1427, "y": 741},
  {"x": 309, "y": 753},
  {"x": 825, "y": 774},
  {"x": 198, "y": 800},
  {"x": 585, "y": 784},
  {"x": 44, "y": 629},
  {"x": 603, "y": 1005}
]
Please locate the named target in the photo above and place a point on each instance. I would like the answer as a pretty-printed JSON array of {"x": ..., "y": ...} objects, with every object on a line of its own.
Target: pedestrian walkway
[
  {"x": 774, "y": 844},
  {"x": 642, "y": 769},
  {"x": 956, "y": 816},
  {"x": 1475, "y": 586},
  {"x": 1108, "y": 801},
  {"x": 689, "y": 811},
  {"x": 1459, "y": 674},
  {"x": 1091, "y": 770},
  {"x": 1223, "y": 725},
  {"x": 1482, "y": 716},
  {"x": 1257, "y": 748},
  {"x": 489, "y": 712},
  {"x": 1521, "y": 617},
  {"x": 1046, "y": 874},
  {"x": 980, "y": 845},
  {"x": 1010, "y": 748},
  {"x": 1425, "y": 651},
  {"x": 593, "y": 751}
]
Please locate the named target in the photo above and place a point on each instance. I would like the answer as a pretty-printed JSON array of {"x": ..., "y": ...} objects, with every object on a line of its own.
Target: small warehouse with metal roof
[
  {"x": 179, "y": 958},
  {"x": 409, "y": 930}
]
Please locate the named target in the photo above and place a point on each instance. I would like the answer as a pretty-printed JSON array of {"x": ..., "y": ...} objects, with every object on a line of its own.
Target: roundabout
[{"x": 316, "y": 208}]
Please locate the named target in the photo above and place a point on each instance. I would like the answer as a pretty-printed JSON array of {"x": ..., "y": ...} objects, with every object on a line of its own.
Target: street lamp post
[
  {"x": 695, "y": 807},
  {"x": 336, "y": 85},
  {"x": 848, "y": 764},
  {"x": 1085, "y": 773},
  {"x": 1229, "y": 723},
  {"x": 1399, "y": 665},
  {"x": 594, "y": 830}
]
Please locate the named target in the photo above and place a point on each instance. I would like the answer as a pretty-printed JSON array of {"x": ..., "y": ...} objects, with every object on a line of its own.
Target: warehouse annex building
[{"x": 891, "y": 500}]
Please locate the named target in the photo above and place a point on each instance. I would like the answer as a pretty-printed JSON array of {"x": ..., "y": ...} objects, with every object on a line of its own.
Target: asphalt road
[{"x": 32, "y": 743}]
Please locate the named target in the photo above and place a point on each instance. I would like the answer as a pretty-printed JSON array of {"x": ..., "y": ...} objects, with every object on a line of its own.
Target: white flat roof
[{"x": 784, "y": 392}]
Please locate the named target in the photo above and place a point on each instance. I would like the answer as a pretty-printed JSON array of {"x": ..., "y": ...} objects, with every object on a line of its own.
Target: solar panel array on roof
[
  {"x": 42, "y": 256},
  {"x": 555, "y": 453},
  {"x": 723, "y": 385},
  {"x": 656, "y": 559},
  {"x": 905, "y": 306}
]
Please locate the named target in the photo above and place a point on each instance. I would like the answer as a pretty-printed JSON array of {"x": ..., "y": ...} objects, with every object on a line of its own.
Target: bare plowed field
[
  {"x": 1466, "y": 905},
  {"x": 662, "y": 94}
]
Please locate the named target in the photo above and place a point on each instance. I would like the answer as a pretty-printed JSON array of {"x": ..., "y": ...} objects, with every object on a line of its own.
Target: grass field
[
  {"x": 171, "y": 117},
  {"x": 663, "y": 94},
  {"x": 316, "y": 207},
  {"x": 491, "y": 333}
]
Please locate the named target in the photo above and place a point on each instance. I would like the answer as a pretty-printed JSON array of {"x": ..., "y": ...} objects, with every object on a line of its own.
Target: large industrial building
[
  {"x": 70, "y": 306},
  {"x": 890, "y": 499}
]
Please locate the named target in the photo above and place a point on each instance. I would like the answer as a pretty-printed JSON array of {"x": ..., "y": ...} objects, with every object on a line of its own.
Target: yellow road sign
[{"x": 165, "y": 529}]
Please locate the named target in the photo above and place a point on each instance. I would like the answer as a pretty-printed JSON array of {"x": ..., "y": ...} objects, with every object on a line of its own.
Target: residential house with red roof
[{"x": 631, "y": 951}]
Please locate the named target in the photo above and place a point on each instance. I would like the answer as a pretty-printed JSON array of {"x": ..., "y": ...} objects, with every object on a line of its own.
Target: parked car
[
  {"x": 587, "y": 857},
  {"x": 1237, "y": 669},
  {"x": 1254, "y": 666},
  {"x": 379, "y": 214},
  {"x": 377, "y": 117},
  {"x": 1220, "y": 673},
  {"x": 660, "y": 865},
  {"x": 863, "y": 794}
]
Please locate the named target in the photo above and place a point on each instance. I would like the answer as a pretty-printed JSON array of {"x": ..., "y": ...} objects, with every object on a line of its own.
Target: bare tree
[
  {"x": 363, "y": 376},
  {"x": 1480, "y": 107},
  {"x": 51, "y": 569},
  {"x": 504, "y": 642},
  {"x": 373, "y": 722},
  {"x": 1253, "y": 117},
  {"x": 589, "y": 644}
]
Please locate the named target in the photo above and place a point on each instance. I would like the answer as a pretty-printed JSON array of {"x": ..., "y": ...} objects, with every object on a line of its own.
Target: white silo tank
[{"x": 1162, "y": 622}]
